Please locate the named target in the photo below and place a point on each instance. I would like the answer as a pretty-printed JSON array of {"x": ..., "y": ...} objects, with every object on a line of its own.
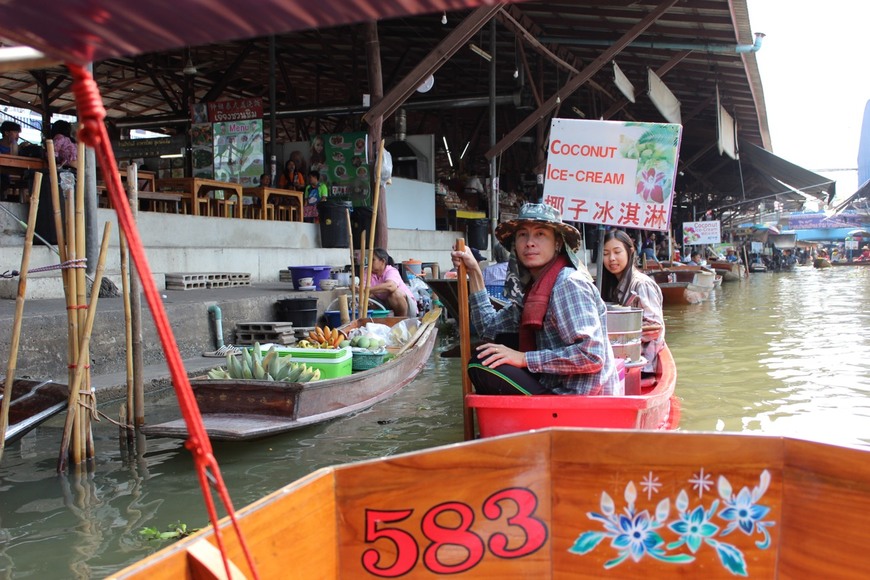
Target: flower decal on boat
[{"x": 636, "y": 534}]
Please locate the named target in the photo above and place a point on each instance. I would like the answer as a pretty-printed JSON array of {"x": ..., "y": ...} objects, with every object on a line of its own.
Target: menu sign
[
  {"x": 701, "y": 233},
  {"x": 238, "y": 152},
  {"x": 612, "y": 173},
  {"x": 235, "y": 110},
  {"x": 345, "y": 166}
]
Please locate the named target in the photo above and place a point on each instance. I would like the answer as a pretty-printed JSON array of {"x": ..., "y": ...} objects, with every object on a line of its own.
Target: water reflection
[{"x": 779, "y": 353}]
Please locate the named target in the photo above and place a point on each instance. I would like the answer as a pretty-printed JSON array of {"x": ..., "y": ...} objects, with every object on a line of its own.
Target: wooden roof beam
[
  {"x": 433, "y": 61},
  {"x": 578, "y": 80}
]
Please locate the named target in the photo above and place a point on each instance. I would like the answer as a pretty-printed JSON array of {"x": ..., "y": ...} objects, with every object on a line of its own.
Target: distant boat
[
  {"x": 684, "y": 284},
  {"x": 33, "y": 402}
]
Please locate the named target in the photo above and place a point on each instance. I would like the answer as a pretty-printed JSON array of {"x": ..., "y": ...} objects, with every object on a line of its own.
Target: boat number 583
[{"x": 521, "y": 503}]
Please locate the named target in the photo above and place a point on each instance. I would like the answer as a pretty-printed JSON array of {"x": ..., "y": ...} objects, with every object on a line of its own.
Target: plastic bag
[
  {"x": 402, "y": 332},
  {"x": 386, "y": 168}
]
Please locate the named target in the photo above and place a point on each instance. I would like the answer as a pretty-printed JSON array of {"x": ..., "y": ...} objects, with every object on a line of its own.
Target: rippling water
[{"x": 780, "y": 353}]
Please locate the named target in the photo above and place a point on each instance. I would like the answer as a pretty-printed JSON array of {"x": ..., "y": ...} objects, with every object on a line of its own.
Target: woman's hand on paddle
[{"x": 494, "y": 355}]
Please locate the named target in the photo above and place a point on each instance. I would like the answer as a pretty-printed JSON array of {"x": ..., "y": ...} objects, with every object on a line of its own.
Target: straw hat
[{"x": 538, "y": 214}]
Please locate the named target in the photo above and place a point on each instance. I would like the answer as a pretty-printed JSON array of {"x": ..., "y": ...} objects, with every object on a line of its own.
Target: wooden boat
[
  {"x": 852, "y": 263},
  {"x": 730, "y": 271},
  {"x": 559, "y": 503},
  {"x": 821, "y": 263},
  {"x": 234, "y": 410},
  {"x": 33, "y": 402},
  {"x": 654, "y": 408},
  {"x": 684, "y": 284}
]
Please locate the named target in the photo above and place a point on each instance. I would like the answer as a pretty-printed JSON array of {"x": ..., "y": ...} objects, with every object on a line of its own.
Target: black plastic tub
[{"x": 299, "y": 311}]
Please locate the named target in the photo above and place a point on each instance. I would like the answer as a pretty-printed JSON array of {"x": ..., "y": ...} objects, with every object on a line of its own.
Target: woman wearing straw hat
[{"x": 563, "y": 347}]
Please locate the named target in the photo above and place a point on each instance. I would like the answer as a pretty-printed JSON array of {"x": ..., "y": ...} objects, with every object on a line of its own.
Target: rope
[
  {"x": 77, "y": 263},
  {"x": 92, "y": 131}
]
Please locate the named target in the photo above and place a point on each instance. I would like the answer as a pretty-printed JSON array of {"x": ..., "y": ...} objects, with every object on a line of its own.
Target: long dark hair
[
  {"x": 381, "y": 254},
  {"x": 611, "y": 286}
]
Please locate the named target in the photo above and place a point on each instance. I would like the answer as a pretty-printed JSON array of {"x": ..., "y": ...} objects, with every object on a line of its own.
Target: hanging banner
[
  {"x": 238, "y": 152},
  {"x": 202, "y": 150},
  {"x": 234, "y": 110},
  {"x": 701, "y": 233},
  {"x": 612, "y": 173},
  {"x": 664, "y": 100},
  {"x": 727, "y": 131}
]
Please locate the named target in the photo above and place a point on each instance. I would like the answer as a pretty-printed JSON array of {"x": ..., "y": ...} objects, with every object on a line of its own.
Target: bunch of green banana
[{"x": 271, "y": 367}]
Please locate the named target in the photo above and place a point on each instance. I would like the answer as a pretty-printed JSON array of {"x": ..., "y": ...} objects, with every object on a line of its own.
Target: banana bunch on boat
[
  {"x": 324, "y": 337},
  {"x": 270, "y": 367}
]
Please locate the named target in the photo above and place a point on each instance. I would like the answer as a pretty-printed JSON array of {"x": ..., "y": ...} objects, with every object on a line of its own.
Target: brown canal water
[{"x": 781, "y": 354}]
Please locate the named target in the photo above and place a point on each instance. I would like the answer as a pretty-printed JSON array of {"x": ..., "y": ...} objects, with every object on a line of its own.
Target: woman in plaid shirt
[{"x": 560, "y": 321}]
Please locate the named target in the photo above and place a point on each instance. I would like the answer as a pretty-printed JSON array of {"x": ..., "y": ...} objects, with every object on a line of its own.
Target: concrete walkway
[{"x": 43, "y": 343}]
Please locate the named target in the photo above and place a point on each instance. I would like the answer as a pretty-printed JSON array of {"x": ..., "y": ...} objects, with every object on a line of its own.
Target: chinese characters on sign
[
  {"x": 612, "y": 173},
  {"x": 236, "y": 110}
]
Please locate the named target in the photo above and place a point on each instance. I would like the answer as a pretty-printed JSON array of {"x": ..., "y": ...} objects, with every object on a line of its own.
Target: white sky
[{"x": 815, "y": 86}]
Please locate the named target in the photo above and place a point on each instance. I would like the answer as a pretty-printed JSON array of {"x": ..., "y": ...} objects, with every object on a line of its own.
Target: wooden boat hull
[
  {"x": 560, "y": 503},
  {"x": 821, "y": 263},
  {"x": 852, "y": 263},
  {"x": 730, "y": 271},
  {"x": 249, "y": 409},
  {"x": 654, "y": 408},
  {"x": 33, "y": 402},
  {"x": 685, "y": 285}
]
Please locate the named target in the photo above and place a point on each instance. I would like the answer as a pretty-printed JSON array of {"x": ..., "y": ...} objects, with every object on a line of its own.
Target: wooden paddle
[
  {"x": 429, "y": 319},
  {"x": 464, "y": 341}
]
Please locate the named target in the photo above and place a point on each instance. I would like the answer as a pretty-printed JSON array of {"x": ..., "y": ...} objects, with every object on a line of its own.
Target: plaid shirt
[{"x": 574, "y": 356}]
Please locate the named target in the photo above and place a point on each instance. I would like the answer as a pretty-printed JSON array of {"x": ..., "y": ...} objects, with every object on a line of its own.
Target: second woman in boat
[
  {"x": 623, "y": 283},
  {"x": 560, "y": 321}
]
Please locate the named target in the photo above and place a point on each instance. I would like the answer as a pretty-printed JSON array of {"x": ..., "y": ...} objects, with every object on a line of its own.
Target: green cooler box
[{"x": 332, "y": 362}]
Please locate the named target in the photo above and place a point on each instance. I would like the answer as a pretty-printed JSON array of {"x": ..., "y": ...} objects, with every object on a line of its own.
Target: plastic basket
[
  {"x": 495, "y": 290},
  {"x": 363, "y": 361}
]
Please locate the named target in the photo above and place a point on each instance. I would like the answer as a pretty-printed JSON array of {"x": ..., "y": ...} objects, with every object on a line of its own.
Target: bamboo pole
[
  {"x": 375, "y": 202},
  {"x": 352, "y": 269},
  {"x": 128, "y": 329},
  {"x": 73, "y": 321},
  {"x": 363, "y": 279},
  {"x": 136, "y": 308},
  {"x": 76, "y": 383},
  {"x": 464, "y": 342},
  {"x": 86, "y": 434},
  {"x": 19, "y": 311}
]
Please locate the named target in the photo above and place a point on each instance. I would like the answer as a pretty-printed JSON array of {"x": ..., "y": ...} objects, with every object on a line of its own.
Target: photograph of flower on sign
[
  {"x": 701, "y": 233},
  {"x": 612, "y": 173}
]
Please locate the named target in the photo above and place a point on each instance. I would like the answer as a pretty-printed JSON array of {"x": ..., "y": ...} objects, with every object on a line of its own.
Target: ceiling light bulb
[
  {"x": 516, "y": 74},
  {"x": 443, "y": 18},
  {"x": 558, "y": 99}
]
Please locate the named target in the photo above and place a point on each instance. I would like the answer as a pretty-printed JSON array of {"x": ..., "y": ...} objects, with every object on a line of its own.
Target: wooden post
[
  {"x": 375, "y": 201},
  {"x": 464, "y": 341},
  {"x": 136, "y": 308},
  {"x": 352, "y": 269},
  {"x": 19, "y": 311},
  {"x": 363, "y": 279},
  {"x": 128, "y": 331}
]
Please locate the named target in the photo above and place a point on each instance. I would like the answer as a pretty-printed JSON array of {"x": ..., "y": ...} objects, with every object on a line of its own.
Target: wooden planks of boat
[
  {"x": 561, "y": 503},
  {"x": 235, "y": 410},
  {"x": 821, "y": 263},
  {"x": 852, "y": 263},
  {"x": 33, "y": 402},
  {"x": 654, "y": 408}
]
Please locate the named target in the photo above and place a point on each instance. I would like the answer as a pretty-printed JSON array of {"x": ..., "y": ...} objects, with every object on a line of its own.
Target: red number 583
[{"x": 443, "y": 537}]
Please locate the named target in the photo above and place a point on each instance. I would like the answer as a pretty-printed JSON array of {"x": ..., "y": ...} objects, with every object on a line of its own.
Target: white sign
[
  {"x": 698, "y": 233},
  {"x": 612, "y": 172}
]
